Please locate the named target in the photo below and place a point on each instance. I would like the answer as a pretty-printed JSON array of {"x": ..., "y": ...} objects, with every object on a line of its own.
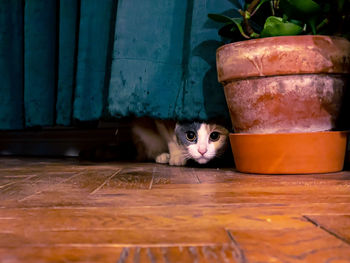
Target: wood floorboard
[
  {"x": 337, "y": 225},
  {"x": 300, "y": 245},
  {"x": 57, "y": 210}
]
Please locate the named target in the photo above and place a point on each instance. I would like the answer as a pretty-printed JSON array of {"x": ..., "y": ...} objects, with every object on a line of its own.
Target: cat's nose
[{"x": 202, "y": 151}]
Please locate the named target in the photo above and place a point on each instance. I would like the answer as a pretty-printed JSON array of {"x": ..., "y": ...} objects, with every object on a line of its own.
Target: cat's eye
[
  {"x": 214, "y": 136},
  {"x": 190, "y": 136}
]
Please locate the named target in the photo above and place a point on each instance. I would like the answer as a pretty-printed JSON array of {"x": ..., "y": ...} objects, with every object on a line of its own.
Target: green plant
[{"x": 266, "y": 18}]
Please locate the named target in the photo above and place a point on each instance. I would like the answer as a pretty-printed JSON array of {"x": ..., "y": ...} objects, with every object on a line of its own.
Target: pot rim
[
  {"x": 283, "y": 55},
  {"x": 270, "y": 39}
]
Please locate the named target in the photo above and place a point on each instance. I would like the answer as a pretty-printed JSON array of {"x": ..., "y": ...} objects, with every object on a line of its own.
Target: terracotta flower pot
[{"x": 284, "y": 84}]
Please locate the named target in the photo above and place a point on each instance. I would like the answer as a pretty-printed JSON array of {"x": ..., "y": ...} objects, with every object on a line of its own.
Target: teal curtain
[
  {"x": 63, "y": 61},
  {"x": 11, "y": 64}
]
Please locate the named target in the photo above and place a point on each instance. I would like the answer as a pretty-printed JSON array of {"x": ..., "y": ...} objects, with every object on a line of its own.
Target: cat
[{"x": 176, "y": 143}]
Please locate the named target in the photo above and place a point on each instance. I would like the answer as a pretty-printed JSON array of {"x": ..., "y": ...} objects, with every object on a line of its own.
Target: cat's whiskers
[{"x": 186, "y": 156}]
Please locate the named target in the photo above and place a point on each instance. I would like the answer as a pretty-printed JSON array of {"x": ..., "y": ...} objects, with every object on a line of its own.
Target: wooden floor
[{"x": 68, "y": 211}]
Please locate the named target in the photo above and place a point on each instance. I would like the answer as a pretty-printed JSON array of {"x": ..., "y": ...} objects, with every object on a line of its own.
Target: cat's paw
[
  {"x": 177, "y": 160},
  {"x": 163, "y": 158}
]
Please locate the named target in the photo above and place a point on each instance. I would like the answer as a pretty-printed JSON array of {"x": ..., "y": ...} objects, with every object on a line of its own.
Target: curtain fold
[
  {"x": 96, "y": 27},
  {"x": 11, "y": 64},
  {"x": 40, "y": 60},
  {"x": 69, "y": 15},
  {"x": 64, "y": 61}
]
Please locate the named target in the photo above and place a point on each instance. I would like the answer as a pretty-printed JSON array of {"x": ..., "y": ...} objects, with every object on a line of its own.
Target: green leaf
[
  {"x": 227, "y": 30},
  {"x": 238, "y": 22},
  {"x": 301, "y": 9},
  {"x": 229, "y": 20},
  {"x": 297, "y": 22},
  {"x": 312, "y": 23},
  {"x": 220, "y": 18},
  {"x": 274, "y": 26}
]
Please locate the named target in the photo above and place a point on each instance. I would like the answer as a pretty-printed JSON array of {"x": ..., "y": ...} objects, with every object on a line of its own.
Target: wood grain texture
[
  {"x": 55, "y": 210},
  {"x": 304, "y": 245},
  {"x": 336, "y": 225}
]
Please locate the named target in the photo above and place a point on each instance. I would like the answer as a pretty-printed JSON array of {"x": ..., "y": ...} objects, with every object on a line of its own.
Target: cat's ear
[
  {"x": 177, "y": 131},
  {"x": 177, "y": 126},
  {"x": 221, "y": 121}
]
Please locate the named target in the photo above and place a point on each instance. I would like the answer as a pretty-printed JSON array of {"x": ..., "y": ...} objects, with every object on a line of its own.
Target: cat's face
[{"x": 202, "y": 141}]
